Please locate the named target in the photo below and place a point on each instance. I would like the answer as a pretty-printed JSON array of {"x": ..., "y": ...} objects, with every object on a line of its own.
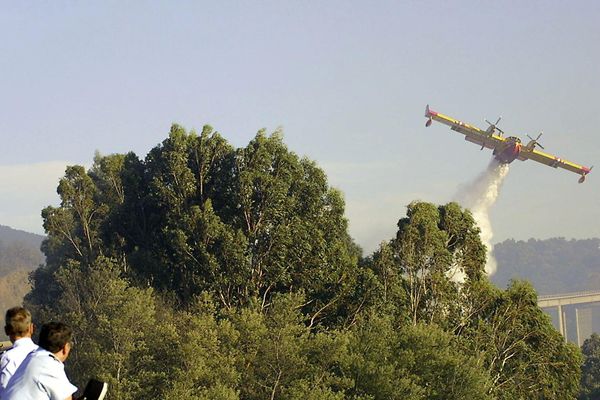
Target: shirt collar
[
  {"x": 23, "y": 342},
  {"x": 40, "y": 352}
]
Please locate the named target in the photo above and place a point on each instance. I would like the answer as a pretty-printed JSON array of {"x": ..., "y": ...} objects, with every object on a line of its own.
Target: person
[
  {"x": 19, "y": 329},
  {"x": 42, "y": 375}
]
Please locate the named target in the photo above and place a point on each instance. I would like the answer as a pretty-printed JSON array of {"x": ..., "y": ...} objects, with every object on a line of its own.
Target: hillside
[
  {"x": 12, "y": 289},
  {"x": 19, "y": 250},
  {"x": 10, "y": 235},
  {"x": 19, "y": 254},
  {"x": 553, "y": 266}
]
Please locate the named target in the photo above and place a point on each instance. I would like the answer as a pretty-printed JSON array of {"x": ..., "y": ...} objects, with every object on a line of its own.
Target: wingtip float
[{"x": 506, "y": 149}]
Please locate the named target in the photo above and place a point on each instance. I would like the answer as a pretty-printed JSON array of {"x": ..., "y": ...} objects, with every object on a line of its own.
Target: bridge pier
[
  {"x": 561, "y": 321},
  {"x": 584, "y": 323},
  {"x": 579, "y": 341}
]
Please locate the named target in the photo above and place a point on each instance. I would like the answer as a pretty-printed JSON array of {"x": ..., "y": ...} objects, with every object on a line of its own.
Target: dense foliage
[
  {"x": 209, "y": 272},
  {"x": 590, "y": 370}
]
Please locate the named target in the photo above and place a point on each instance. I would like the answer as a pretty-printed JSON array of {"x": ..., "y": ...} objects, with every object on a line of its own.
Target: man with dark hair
[
  {"x": 42, "y": 376},
  {"x": 19, "y": 330}
]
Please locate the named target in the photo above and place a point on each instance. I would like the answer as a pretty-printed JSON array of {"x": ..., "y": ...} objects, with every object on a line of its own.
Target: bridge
[{"x": 568, "y": 299}]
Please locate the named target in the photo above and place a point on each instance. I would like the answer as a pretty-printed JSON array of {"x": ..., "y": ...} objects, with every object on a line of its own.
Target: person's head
[
  {"x": 18, "y": 323},
  {"x": 56, "y": 338}
]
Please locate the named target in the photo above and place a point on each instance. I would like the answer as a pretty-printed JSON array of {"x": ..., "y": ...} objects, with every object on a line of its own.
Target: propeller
[
  {"x": 495, "y": 126},
  {"x": 535, "y": 141}
]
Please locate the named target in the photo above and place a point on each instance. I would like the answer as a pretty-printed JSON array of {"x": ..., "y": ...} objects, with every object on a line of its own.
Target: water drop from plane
[{"x": 479, "y": 196}]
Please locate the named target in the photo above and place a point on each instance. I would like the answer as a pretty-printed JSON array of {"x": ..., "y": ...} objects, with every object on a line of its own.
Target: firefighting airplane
[{"x": 506, "y": 149}]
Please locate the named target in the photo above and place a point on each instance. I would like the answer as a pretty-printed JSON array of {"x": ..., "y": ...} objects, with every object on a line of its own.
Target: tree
[
  {"x": 590, "y": 369},
  {"x": 120, "y": 338},
  {"x": 195, "y": 217},
  {"x": 201, "y": 216},
  {"x": 73, "y": 234},
  {"x": 74, "y": 226},
  {"x": 412, "y": 362},
  {"x": 505, "y": 331},
  {"x": 419, "y": 268},
  {"x": 283, "y": 358},
  {"x": 524, "y": 355},
  {"x": 206, "y": 354}
]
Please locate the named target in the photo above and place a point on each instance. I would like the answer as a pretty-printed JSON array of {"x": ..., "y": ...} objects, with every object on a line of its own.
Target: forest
[
  {"x": 204, "y": 271},
  {"x": 553, "y": 266}
]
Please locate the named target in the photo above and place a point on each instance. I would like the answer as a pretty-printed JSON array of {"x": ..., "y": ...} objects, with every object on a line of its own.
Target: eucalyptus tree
[
  {"x": 590, "y": 369},
  {"x": 436, "y": 253}
]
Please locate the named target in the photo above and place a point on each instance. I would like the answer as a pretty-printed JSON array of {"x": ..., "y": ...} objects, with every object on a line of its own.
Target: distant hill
[
  {"x": 552, "y": 266},
  {"x": 19, "y": 254},
  {"x": 19, "y": 250},
  {"x": 13, "y": 287},
  {"x": 11, "y": 235}
]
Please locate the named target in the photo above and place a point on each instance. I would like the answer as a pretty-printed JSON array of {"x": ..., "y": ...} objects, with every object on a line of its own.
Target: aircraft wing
[
  {"x": 553, "y": 161},
  {"x": 472, "y": 134}
]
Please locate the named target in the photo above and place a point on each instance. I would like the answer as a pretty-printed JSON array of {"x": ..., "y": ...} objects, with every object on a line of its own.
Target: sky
[{"x": 348, "y": 82}]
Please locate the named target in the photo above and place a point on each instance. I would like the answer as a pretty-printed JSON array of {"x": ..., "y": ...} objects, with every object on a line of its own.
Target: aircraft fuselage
[{"x": 509, "y": 151}]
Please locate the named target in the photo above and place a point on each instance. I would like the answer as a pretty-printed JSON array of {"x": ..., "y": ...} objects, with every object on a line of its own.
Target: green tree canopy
[
  {"x": 205, "y": 271},
  {"x": 198, "y": 215},
  {"x": 590, "y": 370},
  {"x": 422, "y": 269}
]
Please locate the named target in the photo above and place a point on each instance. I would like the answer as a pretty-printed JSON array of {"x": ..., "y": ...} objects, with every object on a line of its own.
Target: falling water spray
[{"x": 479, "y": 196}]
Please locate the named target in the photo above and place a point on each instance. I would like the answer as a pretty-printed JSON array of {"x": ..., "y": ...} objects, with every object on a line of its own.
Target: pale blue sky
[{"x": 348, "y": 81}]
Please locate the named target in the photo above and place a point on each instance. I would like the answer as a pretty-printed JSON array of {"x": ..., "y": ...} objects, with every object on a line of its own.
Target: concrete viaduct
[{"x": 567, "y": 299}]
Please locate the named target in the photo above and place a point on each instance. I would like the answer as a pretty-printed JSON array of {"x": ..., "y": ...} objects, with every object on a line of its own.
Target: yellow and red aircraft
[{"x": 506, "y": 149}]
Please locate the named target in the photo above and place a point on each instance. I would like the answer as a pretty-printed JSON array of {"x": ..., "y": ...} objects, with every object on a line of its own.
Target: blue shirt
[
  {"x": 12, "y": 359},
  {"x": 41, "y": 376}
]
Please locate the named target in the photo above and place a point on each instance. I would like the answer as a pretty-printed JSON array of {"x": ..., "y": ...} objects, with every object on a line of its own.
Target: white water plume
[{"x": 479, "y": 196}]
